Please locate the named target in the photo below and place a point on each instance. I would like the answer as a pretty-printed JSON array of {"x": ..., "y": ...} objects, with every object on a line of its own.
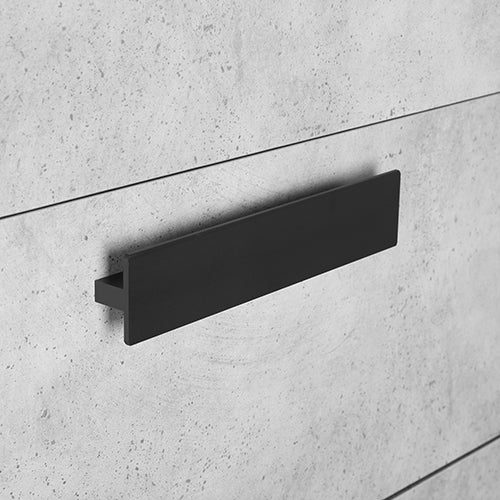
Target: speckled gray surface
[
  {"x": 475, "y": 478},
  {"x": 348, "y": 386},
  {"x": 105, "y": 93}
]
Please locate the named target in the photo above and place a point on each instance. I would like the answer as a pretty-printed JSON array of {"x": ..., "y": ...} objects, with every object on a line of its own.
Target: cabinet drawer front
[
  {"x": 348, "y": 385},
  {"x": 111, "y": 93},
  {"x": 477, "y": 477}
]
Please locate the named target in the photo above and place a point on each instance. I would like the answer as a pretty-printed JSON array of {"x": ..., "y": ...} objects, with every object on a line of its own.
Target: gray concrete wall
[
  {"x": 100, "y": 94},
  {"x": 475, "y": 478},
  {"x": 349, "y": 385}
]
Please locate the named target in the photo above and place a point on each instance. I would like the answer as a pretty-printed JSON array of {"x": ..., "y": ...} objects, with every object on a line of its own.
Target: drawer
[
  {"x": 476, "y": 477},
  {"x": 349, "y": 385},
  {"x": 110, "y": 93}
]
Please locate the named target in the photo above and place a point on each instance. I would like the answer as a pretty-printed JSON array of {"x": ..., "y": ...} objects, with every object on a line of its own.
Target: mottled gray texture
[
  {"x": 109, "y": 92},
  {"x": 348, "y": 386},
  {"x": 475, "y": 478}
]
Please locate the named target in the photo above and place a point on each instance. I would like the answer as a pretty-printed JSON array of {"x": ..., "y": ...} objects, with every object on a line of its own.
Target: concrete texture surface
[
  {"x": 104, "y": 93},
  {"x": 350, "y": 385},
  {"x": 475, "y": 478}
]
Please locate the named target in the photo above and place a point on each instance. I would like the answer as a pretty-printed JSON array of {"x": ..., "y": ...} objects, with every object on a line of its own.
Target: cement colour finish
[
  {"x": 350, "y": 385},
  {"x": 475, "y": 478},
  {"x": 95, "y": 95}
]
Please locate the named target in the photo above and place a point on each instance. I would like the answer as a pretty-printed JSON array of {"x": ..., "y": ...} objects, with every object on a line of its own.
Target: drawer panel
[
  {"x": 110, "y": 93},
  {"x": 475, "y": 478},
  {"x": 348, "y": 385}
]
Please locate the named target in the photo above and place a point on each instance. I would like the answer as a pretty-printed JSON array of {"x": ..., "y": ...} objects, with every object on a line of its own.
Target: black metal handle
[{"x": 203, "y": 273}]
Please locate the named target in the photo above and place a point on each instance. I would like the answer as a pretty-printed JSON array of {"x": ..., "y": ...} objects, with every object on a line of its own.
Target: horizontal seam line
[
  {"x": 236, "y": 158},
  {"x": 442, "y": 469}
]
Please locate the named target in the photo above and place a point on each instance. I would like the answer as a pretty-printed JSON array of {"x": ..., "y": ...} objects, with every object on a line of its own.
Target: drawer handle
[{"x": 194, "y": 276}]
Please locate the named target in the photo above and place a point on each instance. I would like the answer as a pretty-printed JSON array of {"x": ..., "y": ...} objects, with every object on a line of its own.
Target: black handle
[{"x": 203, "y": 273}]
